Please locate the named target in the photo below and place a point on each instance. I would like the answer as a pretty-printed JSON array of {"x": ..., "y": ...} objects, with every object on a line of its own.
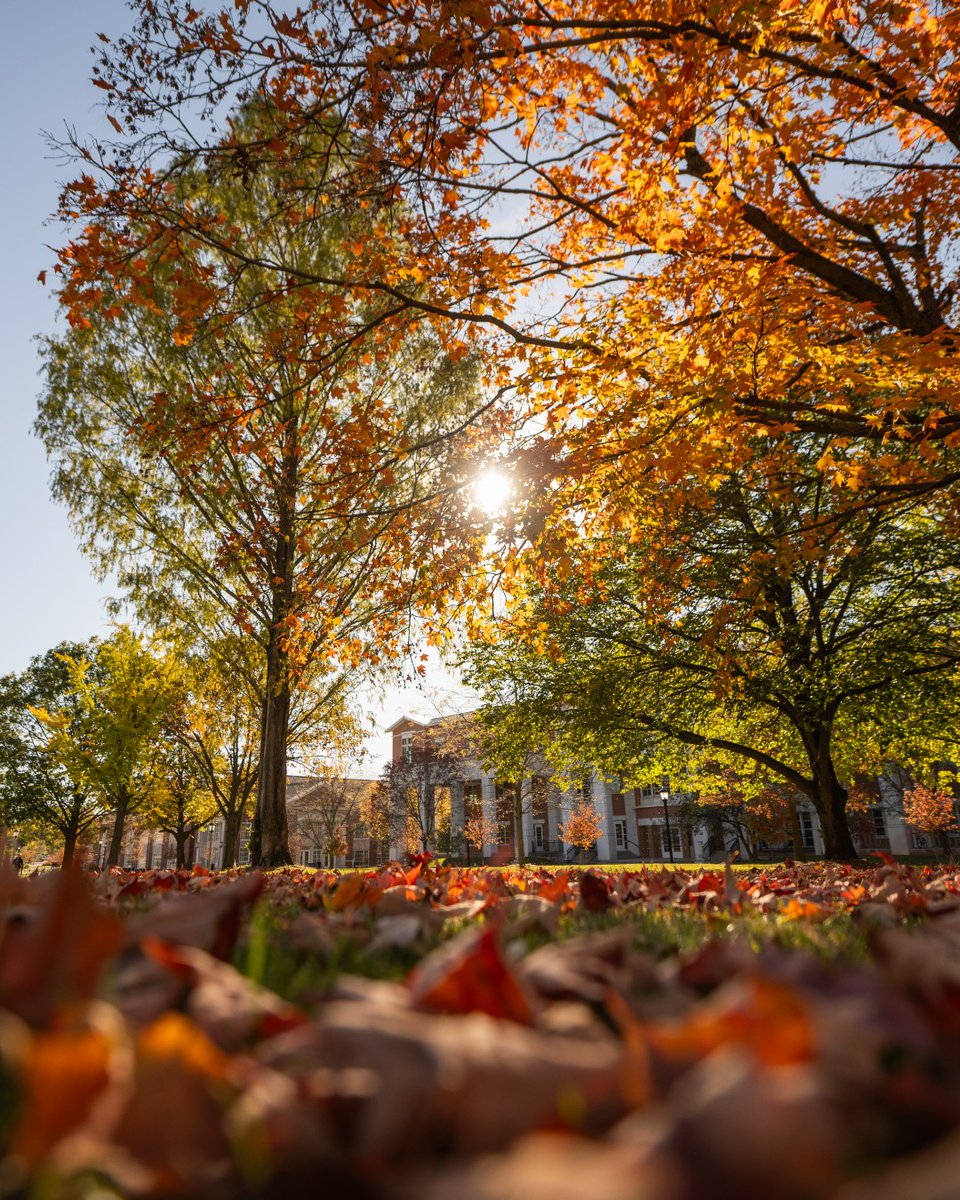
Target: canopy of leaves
[
  {"x": 44, "y": 790},
  {"x": 790, "y": 635}
]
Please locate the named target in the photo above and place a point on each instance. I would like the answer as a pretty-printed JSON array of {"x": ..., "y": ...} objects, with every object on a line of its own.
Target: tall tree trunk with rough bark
[
  {"x": 828, "y": 794},
  {"x": 121, "y": 807},
  {"x": 271, "y": 833}
]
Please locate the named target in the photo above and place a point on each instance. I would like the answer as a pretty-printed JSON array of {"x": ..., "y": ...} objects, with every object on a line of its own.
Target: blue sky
[{"x": 47, "y": 593}]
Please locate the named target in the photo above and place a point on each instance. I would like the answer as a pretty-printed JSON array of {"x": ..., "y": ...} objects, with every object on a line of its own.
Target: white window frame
[
  {"x": 805, "y": 821},
  {"x": 674, "y": 838},
  {"x": 620, "y": 833}
]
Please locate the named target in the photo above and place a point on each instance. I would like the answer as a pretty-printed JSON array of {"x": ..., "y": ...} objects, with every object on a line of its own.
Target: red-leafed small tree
[
  {"x": 931, "y": 810},
  {"x": 582, "y": 828},
  {"x": 479, "y": 831}
]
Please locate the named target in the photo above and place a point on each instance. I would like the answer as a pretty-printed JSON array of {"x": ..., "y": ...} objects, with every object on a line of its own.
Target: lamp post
[{"x": 664, "y": 797}]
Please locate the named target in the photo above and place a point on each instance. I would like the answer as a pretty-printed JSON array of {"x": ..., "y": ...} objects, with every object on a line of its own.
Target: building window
[
  {"x": 406, "y": 747},
  {"x": 674, "y": 843},
  {"x": 806, "y": 828},
  {"x": 620, "y": 834},
  {"x": 879, "y": 823},
  {"x": 538, "y": 835}
]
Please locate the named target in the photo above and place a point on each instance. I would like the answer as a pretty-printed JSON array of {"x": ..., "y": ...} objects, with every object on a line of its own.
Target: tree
[
  {"x": 734, "y": 219},
  {"x": 406, "y": 794},
  {"x": 42, "y": 791},
  {"x": 218, "y": 727},
  {"x": 328, "y": 811},
  {"x": 106, "y": 735},
  {"x": 583, "y": 826},
  {"x": 931, "y": 810},
  {"x": 792, "y": 633},
  {"x": 479, "y": 831},
  {"x": 750, "y": 211},
  {"x": 181, "y": 805},
  {"x": 254, "y": 471}
]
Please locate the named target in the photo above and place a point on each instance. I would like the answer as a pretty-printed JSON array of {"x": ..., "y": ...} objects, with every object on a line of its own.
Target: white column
[
  {"x": 526, "y": 816},
  {"x": 488, "y": 798},
  {"x": 600, "y": 795}
]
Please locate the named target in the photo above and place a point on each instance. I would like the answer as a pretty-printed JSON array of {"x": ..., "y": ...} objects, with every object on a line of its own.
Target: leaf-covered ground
[{"x": 430, "y": 1032}]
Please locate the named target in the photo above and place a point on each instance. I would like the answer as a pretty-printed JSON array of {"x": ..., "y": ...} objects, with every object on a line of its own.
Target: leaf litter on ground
[{"x": 431, "y": 1031}]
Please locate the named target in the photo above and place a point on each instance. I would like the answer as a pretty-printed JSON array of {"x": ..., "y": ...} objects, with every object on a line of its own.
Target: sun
[{"x": 492, "y": 491}]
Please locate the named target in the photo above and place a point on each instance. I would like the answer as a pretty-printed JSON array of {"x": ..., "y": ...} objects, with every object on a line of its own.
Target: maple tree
[
  {"x": 931, "y": 810},
  {"x": 582, "y": 827},
  {"x": 752, "y": 209},
  {"x": 480, "y": 830}
]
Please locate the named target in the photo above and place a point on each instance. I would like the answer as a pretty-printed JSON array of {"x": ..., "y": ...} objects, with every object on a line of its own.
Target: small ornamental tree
[
  {"x": 931, "y": 810},
  {"x": 479, "y": 831},
  {"x": 583, "y": 827}
]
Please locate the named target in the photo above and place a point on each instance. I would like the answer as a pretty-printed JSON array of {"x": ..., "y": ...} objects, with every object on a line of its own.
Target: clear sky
[{"x": 47, "y": 593}]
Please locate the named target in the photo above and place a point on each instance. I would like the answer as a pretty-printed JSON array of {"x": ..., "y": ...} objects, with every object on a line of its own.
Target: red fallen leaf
[
  {"x": 770, "y": 1020},
  {"x": 595, "y": 892},
  {"x": 709, "y": 881},
  {"x": 468, "y": 975},
  {"x": 555, "y": 889},
  {"x": 346, "y": 894},
  {"x": 210, "y": 920},
  {"x": 884, "y": 857},
  {"x": 174, "y": 1121},
  {"x": 51, "y": 958},
  {"x": 231, "y": 1010}
]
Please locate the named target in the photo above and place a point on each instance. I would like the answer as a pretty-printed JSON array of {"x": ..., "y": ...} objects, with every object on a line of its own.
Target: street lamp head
[{"x": 664, "y": 794}]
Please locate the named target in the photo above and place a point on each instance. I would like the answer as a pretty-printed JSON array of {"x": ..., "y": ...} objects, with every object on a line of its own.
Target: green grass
[{"x": 268, "y": 954}]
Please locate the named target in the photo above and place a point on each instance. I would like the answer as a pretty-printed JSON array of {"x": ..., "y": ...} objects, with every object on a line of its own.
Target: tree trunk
[
  {"x": 827, "y": 793},
  {"x": 181, "y": 843},
  {"x": 119, "y": 820},
  {"x": 69, "y": 843},
  {"x": 830, "y": 800},
  {"x": 272, "y": 838},
  {"x": 231, "y": 834},
  {"x": 274, "y": 849}
]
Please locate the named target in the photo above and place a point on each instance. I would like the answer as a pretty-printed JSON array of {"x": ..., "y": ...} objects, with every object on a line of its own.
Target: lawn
[{"x": 424, "y": 1031}]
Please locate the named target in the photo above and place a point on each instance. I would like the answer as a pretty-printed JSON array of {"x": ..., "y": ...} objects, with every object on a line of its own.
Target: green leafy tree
[
  {"x": 180, "y": 804},
  {"x": 794, "y": 632},
  {"x": 107, "y": 735},
  {"x": 218, "y": 727},
  {"x": 44, "y": 790}
]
